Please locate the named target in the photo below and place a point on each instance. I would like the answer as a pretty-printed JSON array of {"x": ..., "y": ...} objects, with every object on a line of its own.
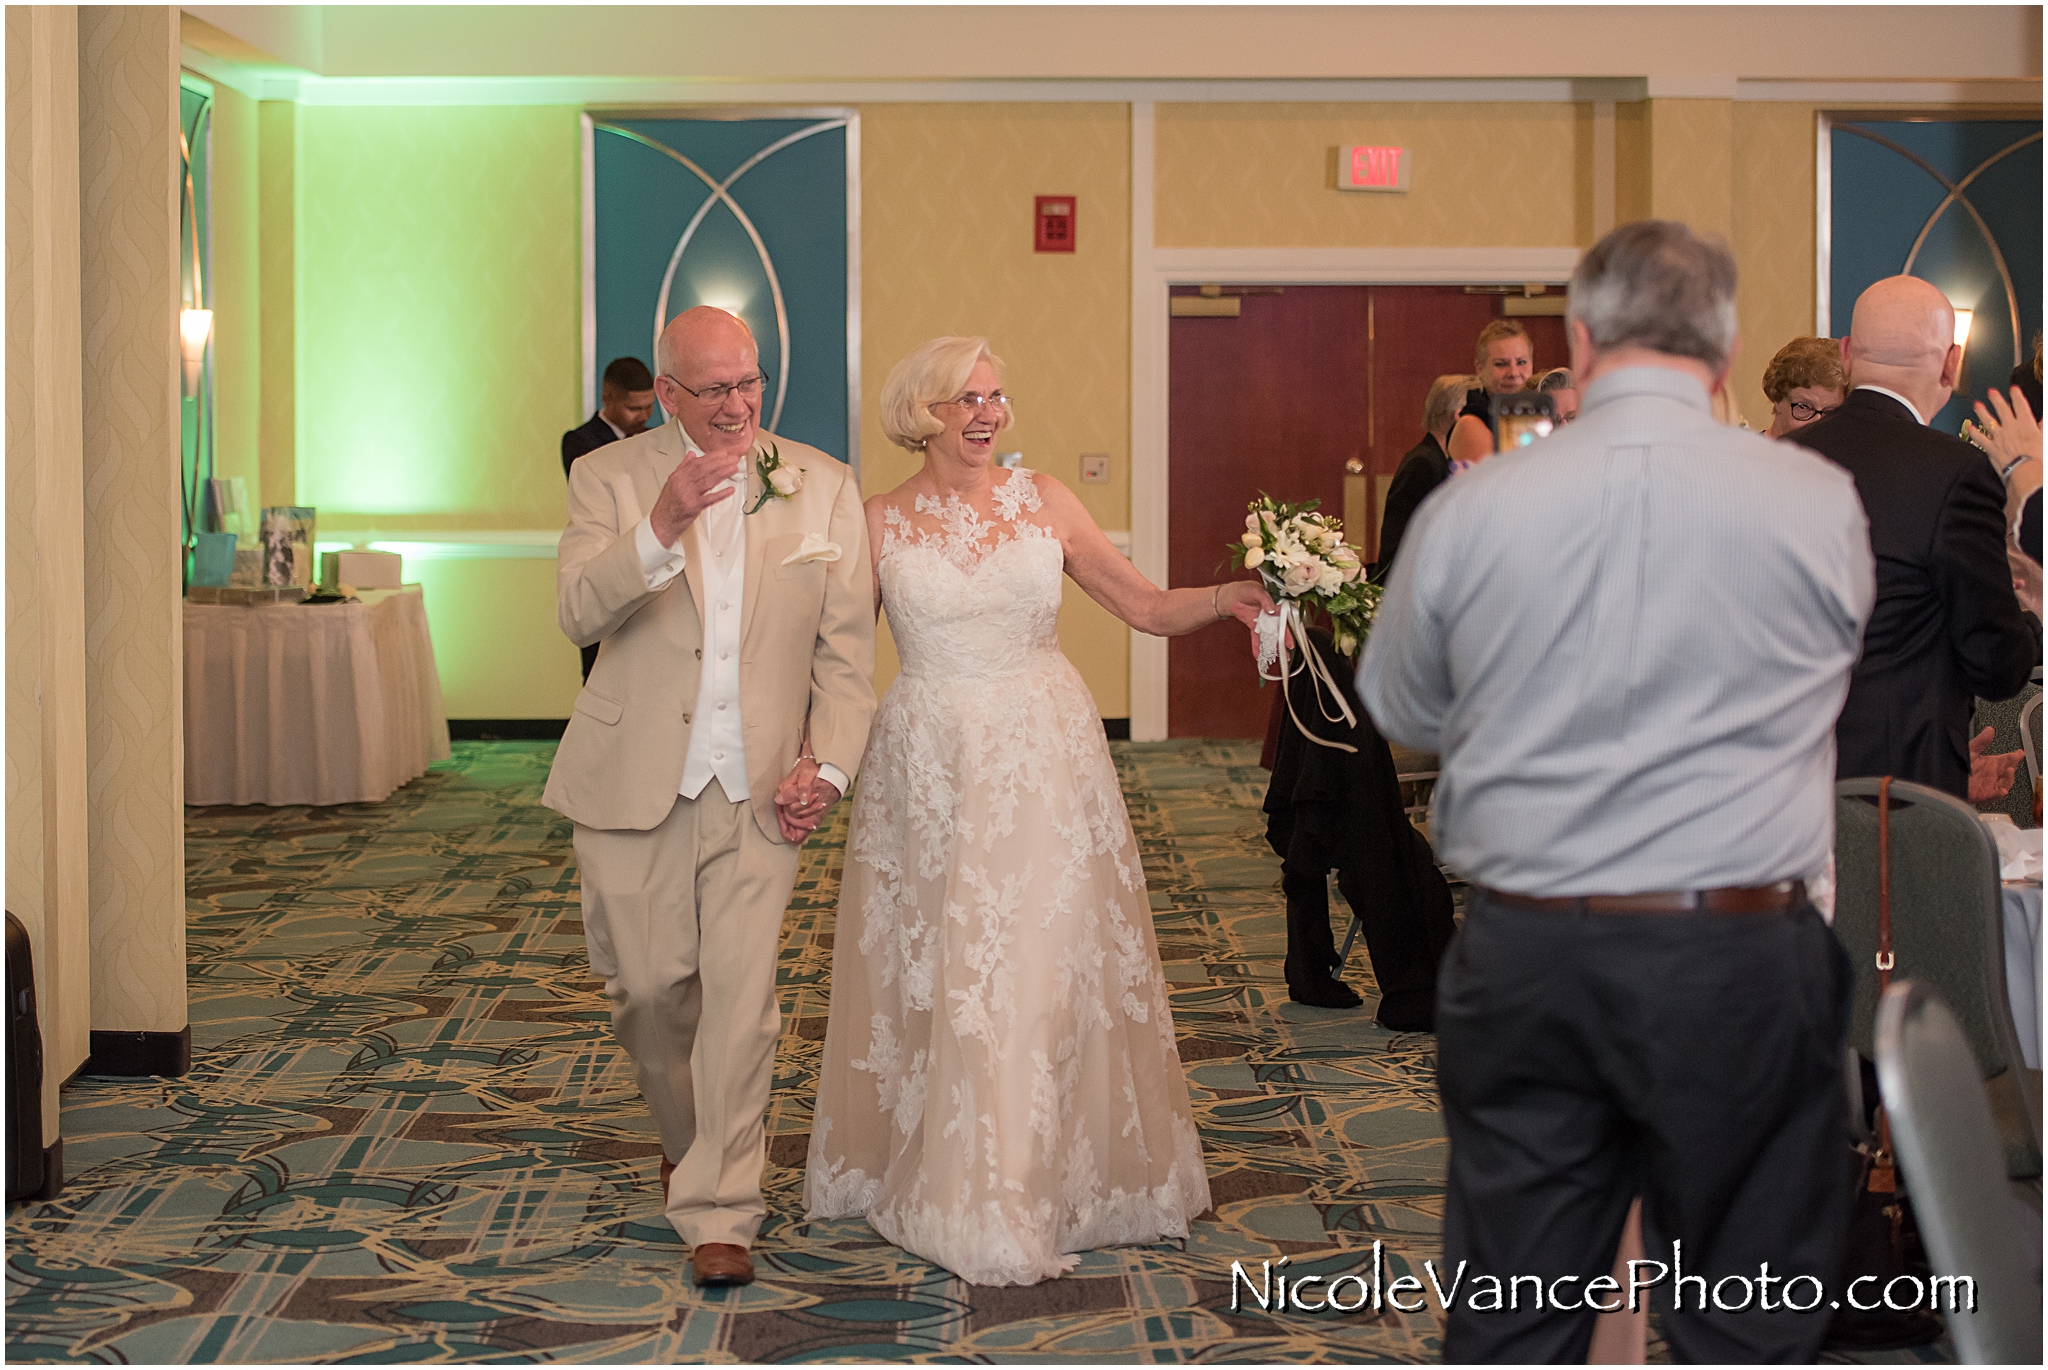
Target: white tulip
[
  {"x": 1253, "y": 558},
  {"x": 1253, "y": 540}
]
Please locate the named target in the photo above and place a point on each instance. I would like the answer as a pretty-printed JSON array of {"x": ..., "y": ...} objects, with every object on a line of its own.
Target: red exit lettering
[{"x": 1376, "y": 166}]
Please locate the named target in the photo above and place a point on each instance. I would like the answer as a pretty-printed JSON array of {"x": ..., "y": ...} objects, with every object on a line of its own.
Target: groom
[{"x": 735, "y": 614}]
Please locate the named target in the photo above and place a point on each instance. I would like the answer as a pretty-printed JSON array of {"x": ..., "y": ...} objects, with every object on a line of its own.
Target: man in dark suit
[
  {"x": 1947, "y": 625},
  {"x": 626, "y": 403}
]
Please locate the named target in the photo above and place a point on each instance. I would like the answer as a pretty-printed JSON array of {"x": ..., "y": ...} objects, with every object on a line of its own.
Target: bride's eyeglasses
[{"x": 976, "y": 402}]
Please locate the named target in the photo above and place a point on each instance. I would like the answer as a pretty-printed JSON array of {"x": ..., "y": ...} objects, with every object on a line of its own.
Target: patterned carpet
[{"x": 408, "y": 1136}]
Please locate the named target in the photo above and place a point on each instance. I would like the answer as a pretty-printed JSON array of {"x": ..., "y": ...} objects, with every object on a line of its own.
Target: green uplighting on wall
[{"x": 438, "y": 307}]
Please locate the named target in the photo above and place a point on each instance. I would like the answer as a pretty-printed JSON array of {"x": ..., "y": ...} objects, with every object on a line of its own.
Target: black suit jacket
[
  {"x": 1946, "y": 625},
  {"x": 1425, "y": 467},
  {"x": 582, "y": 441}
]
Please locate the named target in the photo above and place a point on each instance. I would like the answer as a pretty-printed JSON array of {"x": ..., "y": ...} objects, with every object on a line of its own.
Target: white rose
[
  {"x": 787, "y": 480},
  {"x": 1299, "y": 577},
  {"x": 1253, "y": 558},
  {"x": 1251, "y": 523}
]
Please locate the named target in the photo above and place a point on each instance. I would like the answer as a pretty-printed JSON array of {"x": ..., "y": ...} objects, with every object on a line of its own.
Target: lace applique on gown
[{"x": 1000, "y": 1087}]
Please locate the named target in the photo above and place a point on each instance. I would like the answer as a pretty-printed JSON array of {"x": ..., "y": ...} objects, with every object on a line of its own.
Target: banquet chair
[
  {"x": 1948, "y": 1148},
  {"x": 1948, "y": 931},
  {"x": 1416, "y": 772},
  {"x": 2030, "y": 738}
]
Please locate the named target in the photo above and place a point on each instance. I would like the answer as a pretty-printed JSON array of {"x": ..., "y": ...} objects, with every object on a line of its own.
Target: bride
[{"x": 1000, "y": 1087}]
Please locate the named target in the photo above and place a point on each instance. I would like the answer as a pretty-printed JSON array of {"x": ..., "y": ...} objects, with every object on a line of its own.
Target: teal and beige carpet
[{"x": 408, "y": 1135}]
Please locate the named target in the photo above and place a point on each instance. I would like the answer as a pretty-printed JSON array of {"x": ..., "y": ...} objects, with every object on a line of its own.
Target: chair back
[
  {"x": 1948, "y": 1148},
  {"x": 2030, "y": 737},
  {"x": 1948, "y": 927}
]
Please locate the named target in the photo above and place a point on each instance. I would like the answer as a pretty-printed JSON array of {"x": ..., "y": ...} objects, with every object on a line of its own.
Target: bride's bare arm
[{"x": 1111, "y": 581}]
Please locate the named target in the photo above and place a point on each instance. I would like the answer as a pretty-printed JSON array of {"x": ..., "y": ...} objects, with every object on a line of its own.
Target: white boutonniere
[{"x": 779, "y": 480}]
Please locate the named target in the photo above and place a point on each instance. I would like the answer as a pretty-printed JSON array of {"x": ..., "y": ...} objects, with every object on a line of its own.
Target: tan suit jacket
[{"x": 807, "y": 635}]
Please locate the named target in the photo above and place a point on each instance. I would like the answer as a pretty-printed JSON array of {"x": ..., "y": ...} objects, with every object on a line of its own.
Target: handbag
[{"x": 1884, "y": 1242}]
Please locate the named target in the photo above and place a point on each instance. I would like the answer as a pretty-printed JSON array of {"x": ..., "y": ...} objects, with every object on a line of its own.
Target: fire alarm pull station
[{"x": 1054, "y": 230}]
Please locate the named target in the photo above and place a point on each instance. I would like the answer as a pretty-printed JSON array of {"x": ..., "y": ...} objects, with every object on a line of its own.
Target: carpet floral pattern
[{"x": 408, "y": 1135}]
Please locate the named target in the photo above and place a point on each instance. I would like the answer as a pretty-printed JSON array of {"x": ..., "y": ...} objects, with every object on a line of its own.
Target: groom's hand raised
[
  {"x": 695, "y": 485},
  {"x": 801, "y": 801}
]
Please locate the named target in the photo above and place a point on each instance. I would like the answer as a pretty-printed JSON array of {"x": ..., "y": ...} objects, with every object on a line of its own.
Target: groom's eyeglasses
[
  {"x": 976, "y": 402},
  {"x": 714, "y": 395},
  {"x": 1807, "y": 413}
]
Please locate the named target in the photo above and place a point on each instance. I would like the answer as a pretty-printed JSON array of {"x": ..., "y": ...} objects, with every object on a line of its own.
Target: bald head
[
  {"x": 700, "y": 332},
  {"x": 1902, "y": 337},
  {"x": 1902, "y": 321},
  {"x": 709, "y": 378}
]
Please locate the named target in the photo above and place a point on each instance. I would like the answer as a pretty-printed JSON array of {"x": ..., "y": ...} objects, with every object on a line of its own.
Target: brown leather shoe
[{"x": 714, "y": 1265}]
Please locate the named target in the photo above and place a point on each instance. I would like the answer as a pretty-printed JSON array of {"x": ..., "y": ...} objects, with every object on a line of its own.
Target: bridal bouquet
[
  {"x": 1303, "y": 559},
  {"x": 1308, "y": 568}
]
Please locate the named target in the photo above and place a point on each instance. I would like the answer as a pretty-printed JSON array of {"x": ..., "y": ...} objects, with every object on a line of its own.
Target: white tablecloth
[
  {"x": 310, "y": 704},
  {"x": 2023, "y": 966}
]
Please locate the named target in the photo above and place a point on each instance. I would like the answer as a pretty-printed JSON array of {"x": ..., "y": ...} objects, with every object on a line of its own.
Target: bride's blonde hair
[{"x": 931, "y": 373}]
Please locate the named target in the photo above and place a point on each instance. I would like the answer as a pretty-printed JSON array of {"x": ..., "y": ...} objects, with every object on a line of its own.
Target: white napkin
[
  {"x": 815, "y": 547},
  {"x": 2019, "y": 849}
]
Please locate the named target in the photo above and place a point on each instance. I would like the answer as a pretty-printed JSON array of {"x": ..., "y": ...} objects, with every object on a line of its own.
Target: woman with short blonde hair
[{"x": 932, "y": 374}]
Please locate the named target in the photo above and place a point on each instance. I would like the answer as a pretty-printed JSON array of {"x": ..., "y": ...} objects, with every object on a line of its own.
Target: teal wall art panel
[
  {"x": 752, "y": 214},
  {"x": 1955, "y": 201}
]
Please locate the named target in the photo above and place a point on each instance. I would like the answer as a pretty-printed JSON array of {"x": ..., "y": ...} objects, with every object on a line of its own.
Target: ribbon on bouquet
[{"x": 1273, "y": 629}]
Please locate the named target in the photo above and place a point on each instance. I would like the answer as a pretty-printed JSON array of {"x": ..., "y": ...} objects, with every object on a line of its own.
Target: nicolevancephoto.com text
[{"x": 1275, "y": 1290}]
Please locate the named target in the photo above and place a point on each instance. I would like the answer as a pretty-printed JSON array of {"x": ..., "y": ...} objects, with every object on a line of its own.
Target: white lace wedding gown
[{"x": 1000, "y": 1086}]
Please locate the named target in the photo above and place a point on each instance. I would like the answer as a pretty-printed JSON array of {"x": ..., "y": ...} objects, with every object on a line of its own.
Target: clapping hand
[
  {"x": 2009, "y": 434},
  {"x": 802, "y": 799},
  {"x": 694, "y": 486},
  {"x": 1991, "y": 776}
]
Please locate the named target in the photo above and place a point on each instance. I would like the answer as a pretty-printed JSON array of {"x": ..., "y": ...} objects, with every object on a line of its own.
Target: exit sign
[{"x": 1372, "y": 168}]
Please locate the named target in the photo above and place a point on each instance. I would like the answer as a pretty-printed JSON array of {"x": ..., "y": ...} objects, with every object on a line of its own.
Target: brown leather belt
[{"x": 1753, "y": 899}]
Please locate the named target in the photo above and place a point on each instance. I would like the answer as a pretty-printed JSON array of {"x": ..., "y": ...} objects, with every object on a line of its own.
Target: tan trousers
[{"x": 684, "y": 922}]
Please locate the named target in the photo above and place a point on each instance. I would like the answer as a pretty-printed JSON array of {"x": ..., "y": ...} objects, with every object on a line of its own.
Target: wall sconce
[
  {"x": 1964, "y": 318},
  {"x": 195, "y": 327}
]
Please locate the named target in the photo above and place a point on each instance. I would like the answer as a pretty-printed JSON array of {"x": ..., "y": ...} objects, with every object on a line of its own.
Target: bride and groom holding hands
[{"x": 1000, "y": 1087}]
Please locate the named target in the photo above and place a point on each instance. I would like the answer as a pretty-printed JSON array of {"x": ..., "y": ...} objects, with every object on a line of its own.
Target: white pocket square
[{"x": 815, "y": 547}]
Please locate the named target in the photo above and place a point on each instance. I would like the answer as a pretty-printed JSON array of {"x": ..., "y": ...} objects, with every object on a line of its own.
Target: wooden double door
[{"x": 1278, "y": 399}]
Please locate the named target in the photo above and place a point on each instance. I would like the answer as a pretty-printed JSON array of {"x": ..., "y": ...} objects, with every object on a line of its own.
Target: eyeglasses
[
  {"x": 1806, "y": 413},
  {"x": 976, "y": 401},
  {"x": 714, "y": 395}
]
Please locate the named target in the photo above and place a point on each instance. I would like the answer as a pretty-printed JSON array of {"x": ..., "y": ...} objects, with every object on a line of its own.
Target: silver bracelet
[{"x": 1216, "y": 603}]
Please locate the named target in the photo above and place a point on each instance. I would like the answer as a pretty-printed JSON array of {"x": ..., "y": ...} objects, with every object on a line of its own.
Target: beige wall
[
  {"x": 946, "y": 203},
  {"x": 128, "y": 257},
  {"x": 1264, "y": 175},
  {"x": 47, "y": 857},
  {"x": 1773, "y": 232}
]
